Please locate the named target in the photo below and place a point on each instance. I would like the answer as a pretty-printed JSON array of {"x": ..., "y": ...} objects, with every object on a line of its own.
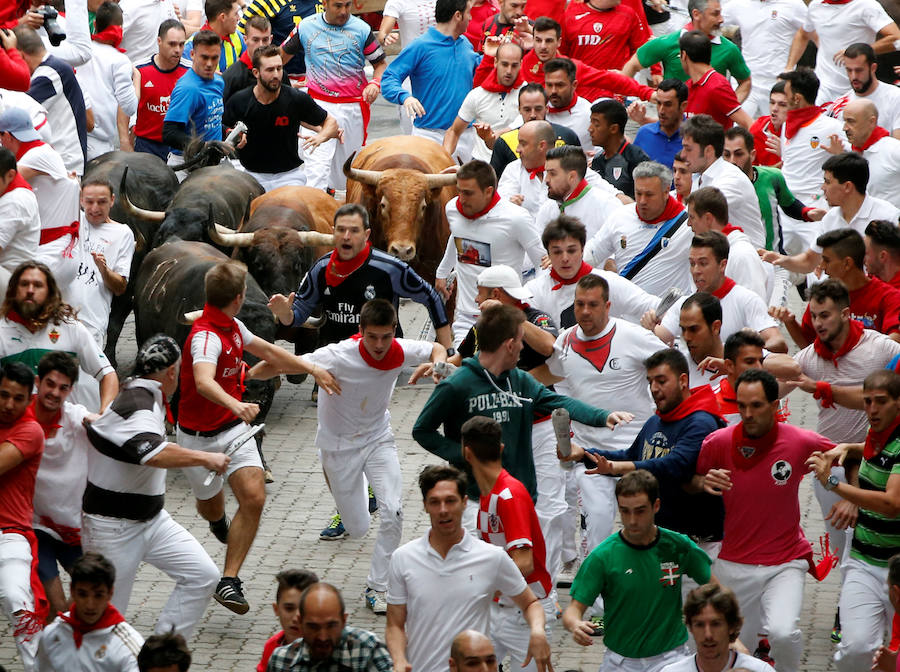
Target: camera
[{"x": 54, "y": 31}]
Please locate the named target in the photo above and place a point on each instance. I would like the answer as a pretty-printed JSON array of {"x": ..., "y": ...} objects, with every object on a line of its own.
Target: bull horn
[
  {"x": 369, "y": 177},
  {"x": 225, "y": 237},
  {"x": 314, "y": 322},
  {"x": 439, "y": 180},
  {"x": 190, "y": 317},
  {"x": 132, "y": 209},
  {"x": 315, "y": 239}
]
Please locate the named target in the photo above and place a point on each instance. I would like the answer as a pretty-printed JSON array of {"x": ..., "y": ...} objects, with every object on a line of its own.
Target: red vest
[
  {"x": 156, "y": 91},
  {"x": 196, "y": 412}
]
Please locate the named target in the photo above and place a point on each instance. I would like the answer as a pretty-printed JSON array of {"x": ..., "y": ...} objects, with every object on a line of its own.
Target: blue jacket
[{"x": 440, "y": 71}]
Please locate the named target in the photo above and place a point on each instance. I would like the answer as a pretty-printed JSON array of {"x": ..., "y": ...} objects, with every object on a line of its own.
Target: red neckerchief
[
  {"x": 18, "y": 182},
  {"x": 246, "y": 59},
  {"x": 491, "y": 84},
  {"x": 567, "y": 107},
  {"x": 494, "y": 200},
  {"x": 829, "y": 355},
  {"x": 13, "y": 316},
  {"x": 876, "y": 135},
  {"x": 701, "y": 398},
  {"x": 876, "y": 441},
  {"x": 728, "y": 228},
  {"x": 109, "y": 618},
  {"x": 392, "y": 359},
  {"x": 532, "y": 174},
  {"x": 25, "y": 146},
  {"x": 726, "y": 286},
  {"x": 111, "y": 35},
  {"x": 50, "y": 426},
  {"x": 337, "y": 270},
  {"x": 672, "y": 209},
  {"x": 747, "y": 451},
  {"x": 797, "y": 119},
  {"x": 57, "y": 232},
  {"x": 585, "y": 269},
  {"x": 206, "y": 26},
  {"x": 836, "y": 2}
]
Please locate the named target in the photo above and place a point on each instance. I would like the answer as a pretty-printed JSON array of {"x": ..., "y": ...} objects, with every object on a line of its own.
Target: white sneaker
[{"x": 376, "y": 600}]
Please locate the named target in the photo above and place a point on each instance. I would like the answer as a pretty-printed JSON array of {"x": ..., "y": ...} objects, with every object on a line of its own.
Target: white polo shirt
[
  {"x": 743, "y": 205},
  {"x": 517, "y": 180},
  {"x": 499, "y": 110},
  {"x": 740, "y": 308},
  {"x": 413, "y": 17},
  {"x": 577, "y": 119},
  {"x": 884, "y": 169},
  {"x": 804, "y": 154},
  {"x": 593, "y": 210},
  {"x": 444, "y": 596},
  {"x": 886, "y": 98},
  {"x": 871, "y": 208}
]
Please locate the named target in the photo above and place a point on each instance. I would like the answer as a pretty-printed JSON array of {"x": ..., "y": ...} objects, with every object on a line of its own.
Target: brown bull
[
  {"x": 398, "y": 181},
  {"x": 315, "y": 209}
]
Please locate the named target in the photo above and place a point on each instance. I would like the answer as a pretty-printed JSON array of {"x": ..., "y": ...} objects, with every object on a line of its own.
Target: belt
[{"x": 210, "y": 432}]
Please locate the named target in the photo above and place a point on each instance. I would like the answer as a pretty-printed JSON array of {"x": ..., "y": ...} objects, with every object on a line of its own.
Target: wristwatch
[
  {"x": 831, "y": 483},
  {"x": 451, "y": 351}
]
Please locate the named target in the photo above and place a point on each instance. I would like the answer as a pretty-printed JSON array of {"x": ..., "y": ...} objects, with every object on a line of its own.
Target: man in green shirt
[
  {"x": 706, "y": 16},
  {"x": 638, "y": 572},
  {"x": 866, "y": 611}
]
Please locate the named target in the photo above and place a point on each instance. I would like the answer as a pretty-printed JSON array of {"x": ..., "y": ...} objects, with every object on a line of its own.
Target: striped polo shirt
[{"x": 877, "y": 537}]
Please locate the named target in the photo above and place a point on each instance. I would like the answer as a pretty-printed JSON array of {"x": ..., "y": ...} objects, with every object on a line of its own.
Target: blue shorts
[{"x": 52, "y": 551}]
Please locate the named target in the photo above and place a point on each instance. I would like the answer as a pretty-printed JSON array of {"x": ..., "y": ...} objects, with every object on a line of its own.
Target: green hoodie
[{"x": 514, "y": 400}]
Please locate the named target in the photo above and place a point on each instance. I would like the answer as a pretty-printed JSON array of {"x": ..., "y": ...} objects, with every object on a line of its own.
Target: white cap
[{"x": 505, "y": 278}]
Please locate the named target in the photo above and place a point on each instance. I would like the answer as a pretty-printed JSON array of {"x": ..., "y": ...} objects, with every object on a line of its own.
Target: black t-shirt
[
  {"x": 272, "y": 129},
  {"x": 237, "y": 78},
  {"x": 617, "y": 169},
  {"x": 528, "y": 358}
]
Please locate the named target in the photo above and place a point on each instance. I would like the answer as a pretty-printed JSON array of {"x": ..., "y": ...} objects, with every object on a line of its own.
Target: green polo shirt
[{"x": 726, "y": 57}]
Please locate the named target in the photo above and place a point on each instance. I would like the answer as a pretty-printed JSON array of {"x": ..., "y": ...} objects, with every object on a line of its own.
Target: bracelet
[
  {"x": 824, "y": 394},
  {"x": 376, "y": 82}
]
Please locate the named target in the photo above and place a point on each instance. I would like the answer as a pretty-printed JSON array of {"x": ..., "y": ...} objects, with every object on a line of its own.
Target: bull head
[
  {"x": 131, "y": 209},
  {"x": 371, "y": 177}
]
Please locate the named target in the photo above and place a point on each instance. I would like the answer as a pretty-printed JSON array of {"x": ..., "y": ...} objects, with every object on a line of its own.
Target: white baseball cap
[{"x": 505, "y": 278}]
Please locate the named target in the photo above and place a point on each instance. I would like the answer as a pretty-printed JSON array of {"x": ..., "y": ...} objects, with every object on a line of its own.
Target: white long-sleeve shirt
[
  {"x": 112, "y": 649},
  {"x": 106, "y": 78}
]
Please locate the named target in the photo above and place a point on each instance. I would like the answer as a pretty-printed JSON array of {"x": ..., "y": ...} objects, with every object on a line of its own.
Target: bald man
[
  {"x": 878, "y": 147},
  {"x": 472, "y": 651},
  {"x": 522, "y": 181},
  {"x": 326, "y": 639}
]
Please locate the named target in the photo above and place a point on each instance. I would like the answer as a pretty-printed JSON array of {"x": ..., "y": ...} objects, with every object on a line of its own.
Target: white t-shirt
[
  {"x": 102, "y": 650},
  {"x": 743, "y": 204},
  {"x": 873, "y": 352},
  {"x": 106, "y": 78},
  {"x": 116, "y": 242},
  {"x": 499, "y": 110},
  {"x": 884, "y": 169},
  {"x": 871, "y": 208},
  {"x": 886, "y": 98},
  {"x": 516, "y": 180},
  {"x": 206, "y": 346},
  {"x": 593, "y": 209},
  {"x": 740, "y": 660},
  {"x": 610, "y": 374},
  {"x": 576, "y": 119},
  {"x": 740, "y": 308},
  {"x": 141, "y": 19},
  {"x": 413, "y": 17},
  {"x": 444, "y": 596},
  {"x": 359, "y": 414},
  {"x": 746, "y": 268},
  {"x": 625, "y": 235},
  {"x": 503, "y": 235},
  {"x": 839, "y": 26},
  {"x": 35, "y": 110},
  {"x": 20, "y": 232},
  {"x": 804, "y": 154}
]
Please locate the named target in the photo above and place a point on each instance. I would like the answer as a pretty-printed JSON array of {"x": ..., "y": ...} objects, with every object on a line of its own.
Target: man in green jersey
[
  {"x": 638, "y": 571},
  {"x": 866, "y": 611}
]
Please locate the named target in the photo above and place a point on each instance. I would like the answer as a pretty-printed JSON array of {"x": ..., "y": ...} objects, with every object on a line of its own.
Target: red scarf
[
  {"x": 532, "y": 174},
  {"x": 57, "y": 232},
  {"x": 491, "y": 84},
  {"x": 567, "y": 107},
  {"x": 111, "y": 35},
  {"x": 726, "y": 286},
  {"x": 49, "y": 426},
  {"x": 392, "y": 359},
  {"x": 876, "y": 135},
  {"x": 336, "y": 271},
  {"x": 25, "y": 146},
  {"x": 836, "y": 2},
  {"x": 876, "y": 441},
  {"x": 18, "y": 182},
  {"x": 747, "y": 451},
  {"x": 728, "y": 228},
  {"x": 494, "y": 200},
  {"x": 13, "y": 316},
  {"x": 109, "y": 618},
  {"x": 585, "y": 269},
  {"x": 797, "y": 119},
  {"x": 246, "y": 59},
  {"x": 829, "y": 355},
  {"x": 672, "y": 209},
  {"x": 701, "y": 398}
]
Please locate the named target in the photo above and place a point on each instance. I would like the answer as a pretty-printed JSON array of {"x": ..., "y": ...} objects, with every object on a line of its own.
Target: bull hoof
[
  {"x": 296, "y": 378},
  {"x": 270, "y": 478}
]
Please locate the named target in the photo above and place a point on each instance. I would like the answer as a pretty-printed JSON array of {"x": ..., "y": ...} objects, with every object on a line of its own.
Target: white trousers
[
  {"x": 571, "y": 521},
  {"x": 324, "y": 166},
  {"x": 613, "y": 662},
  {"x": 166, "y": 545},
  {"x": 289, "y": 178},
  {"x": 771, "y": 598},
  {"x": 757, "y": 103},
  {"x": 551, "y": 488},
  {"x": 598, "y": 501},
  {"x": 510, "y": 633},
  {"x": 463, "y": 146},
  {"x": 378, "y": 462},
  {"x": 16, "y": 598},
  {"x": 866, "y": 615}
]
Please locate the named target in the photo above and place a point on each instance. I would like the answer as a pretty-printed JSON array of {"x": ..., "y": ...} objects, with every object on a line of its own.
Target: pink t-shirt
[
  {"x": 17, "y": 484},
  {"x": 762, "y": 509}
]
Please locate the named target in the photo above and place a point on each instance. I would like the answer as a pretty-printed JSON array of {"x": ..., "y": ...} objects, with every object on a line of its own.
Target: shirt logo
[
  {"x": 53, "y": 336},
  {"x": 774, "y": 13},
  {"x": 747, "y": 451},
  {"x": 781, "y": 472},
  {"x": 148, "y": 85},
  {"x": 670, "y": 573},
  {"x": 623, "y": 242},
  {"x": 581, "y": 16},
  {"x": 494, "y": 523},
  {"x": 598, "y": 27},
  {"x": 617, "y": 172},
  {"x": 814, "y": 142},
  {"x": 101, "y": 652},
  {"x": 281, "y": 121},
  {"x": 369, "y": 293}
]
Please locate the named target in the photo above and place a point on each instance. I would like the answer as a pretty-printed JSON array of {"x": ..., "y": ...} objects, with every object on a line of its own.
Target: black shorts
[{"x": 52, "y": 551}]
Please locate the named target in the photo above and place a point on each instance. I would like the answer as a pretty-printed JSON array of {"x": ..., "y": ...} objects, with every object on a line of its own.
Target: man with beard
[
  {"x": 326, "y": 641},
  {"x": 860, "y": 64},
  {"x": 273, "y": 114}
]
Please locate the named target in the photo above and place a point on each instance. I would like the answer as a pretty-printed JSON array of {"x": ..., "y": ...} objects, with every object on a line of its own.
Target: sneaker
[
  {"x": 335, "y": 529},
  {"x": 219, "y": 528},
  {"x": 373, "y": 503},
  {"x": 375, "y": 600},
  {"x": 229, "y": 595},
  {"x": 762, "y": 652},
  {"x": 836, "y": 630},
  {"x": 599, "y": 626}
]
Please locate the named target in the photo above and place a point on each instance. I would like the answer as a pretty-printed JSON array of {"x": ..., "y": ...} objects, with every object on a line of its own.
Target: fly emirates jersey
[
  {"x": 607, "y": 371},
  {"x": 359, "y": 414}
]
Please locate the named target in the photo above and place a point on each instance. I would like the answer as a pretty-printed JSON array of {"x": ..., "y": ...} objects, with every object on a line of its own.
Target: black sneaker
[
  {"x": 229, "y": 595},
  {"x": 373, "y": 503},
  {"x": 220, "y": 528}
]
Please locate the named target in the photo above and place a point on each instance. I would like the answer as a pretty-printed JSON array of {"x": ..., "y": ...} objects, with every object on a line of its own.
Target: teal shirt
[{"x": 726, "y": 57}]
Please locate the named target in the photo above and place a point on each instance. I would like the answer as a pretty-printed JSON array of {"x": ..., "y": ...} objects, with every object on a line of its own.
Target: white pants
[
  {"x": 866, "y": 615},
  {"x": 613, "y": 662},
  {"x": 771, "y": 598},
  {"x": 712, "y": 549},
  {"x": 16, "y": 597},
  {"x": 551, "y": 488},
  {"x": 176, "y": 160},
  {"x": 289, "y": 178},
  {"x": 166, "y": 545},
  {"x": 757, "y": 103},
  {"x": 325, "y": 165},
  {"x": 571, "y": 521},
  {"x": 245, "y": 456},
  {"x": 598, "y": 500},
  {"x": 463, "y": 146},
  {"x": 462, "y": 323},
  {"x": 510, "y": 632},
  {"x": 345, "y": 469},
  {"x": 826, "y": 95}
]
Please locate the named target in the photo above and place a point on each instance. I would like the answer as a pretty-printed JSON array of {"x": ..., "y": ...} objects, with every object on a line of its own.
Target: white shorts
[
  {"x": 289, "y": 178},
  {"x": 245, "y": 456},
  {"x": 613, "y": 662},
  {"x": 510, "y": 632}
]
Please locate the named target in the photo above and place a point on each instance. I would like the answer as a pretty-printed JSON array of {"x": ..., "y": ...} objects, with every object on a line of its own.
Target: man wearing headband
[{"x": 124, "y": 518}]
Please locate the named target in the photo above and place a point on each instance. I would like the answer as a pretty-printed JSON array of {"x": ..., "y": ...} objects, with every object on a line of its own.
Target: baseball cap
[
  {"x": 158, "y": 353},
  {"x": 505, "y": 278},
  {"x": 17, "y": 121}
]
